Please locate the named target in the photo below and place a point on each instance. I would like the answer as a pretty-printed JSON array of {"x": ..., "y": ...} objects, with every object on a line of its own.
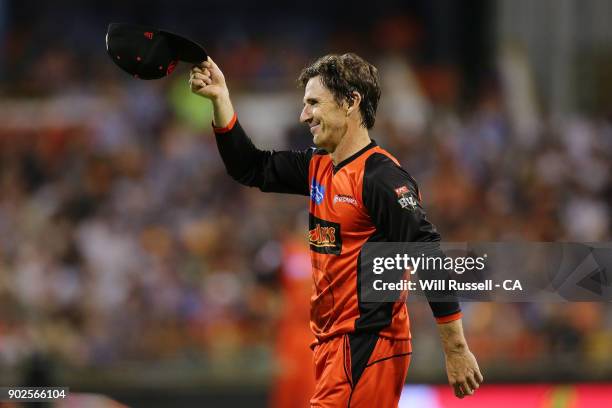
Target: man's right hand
[{"x": 207, "y": 80}]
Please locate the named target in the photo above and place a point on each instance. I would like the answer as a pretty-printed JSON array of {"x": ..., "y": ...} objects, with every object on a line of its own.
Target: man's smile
[{"x": 315, "y": 127}]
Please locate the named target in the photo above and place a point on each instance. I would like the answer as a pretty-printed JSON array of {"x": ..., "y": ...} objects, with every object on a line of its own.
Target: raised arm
[
  {"x": 270, "y": 171},
  {"x": 208, "y": 81}
]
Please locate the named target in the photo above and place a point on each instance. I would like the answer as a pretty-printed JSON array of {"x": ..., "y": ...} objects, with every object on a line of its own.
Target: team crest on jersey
[
  {"x": 405, "y": 198},
  {"x": 317, "y": 192},
  {"x": 324, "y": 236}
]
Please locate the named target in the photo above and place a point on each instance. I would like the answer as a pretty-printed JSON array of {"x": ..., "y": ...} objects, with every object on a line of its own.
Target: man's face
[{"x": 326, "y": 119}]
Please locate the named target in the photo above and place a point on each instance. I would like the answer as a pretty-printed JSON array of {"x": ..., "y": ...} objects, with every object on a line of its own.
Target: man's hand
[
  {"x": 461, "y": 366},
  {"x": 207, "y": 80},
  {"x": 463, "y": 372}
]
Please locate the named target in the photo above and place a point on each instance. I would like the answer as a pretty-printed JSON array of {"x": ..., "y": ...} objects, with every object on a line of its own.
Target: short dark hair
[{"x": 343, "y": 75}]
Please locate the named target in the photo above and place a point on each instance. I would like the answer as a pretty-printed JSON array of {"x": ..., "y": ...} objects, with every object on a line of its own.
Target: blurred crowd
[{"x": 122, "y": 239}]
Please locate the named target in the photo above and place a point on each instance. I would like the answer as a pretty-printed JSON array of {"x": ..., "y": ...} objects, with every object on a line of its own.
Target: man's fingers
[
  {"x": 465, "y": 388},
  {"x": 195, "y": 71},
  {"x": 463, "y": 373},
  {"x": 212, "y": 67},
  {"x": 204, "y": 78},
  {"x": 458, "y": 390},
  {"x": 205, "y": 71},
  {"x": 205, "y": 64},
  {"x": 197, "y": 83},
  {"x": 473, "y": 383},
  {"x": 479, "y": 377}
]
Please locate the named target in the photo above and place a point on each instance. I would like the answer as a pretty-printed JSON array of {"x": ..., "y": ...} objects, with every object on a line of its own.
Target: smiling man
[{"x": 358, "y": 193}]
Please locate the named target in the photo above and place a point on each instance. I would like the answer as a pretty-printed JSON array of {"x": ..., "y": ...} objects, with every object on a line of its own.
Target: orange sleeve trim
[
  {"x": 449, "y": 318},
  {"x": 227, "y": 127}
]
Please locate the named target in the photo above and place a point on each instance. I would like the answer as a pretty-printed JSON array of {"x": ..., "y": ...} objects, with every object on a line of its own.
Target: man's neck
[{"x": 350, "y": 144}]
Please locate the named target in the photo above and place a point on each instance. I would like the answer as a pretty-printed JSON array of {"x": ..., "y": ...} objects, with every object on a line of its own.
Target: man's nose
[{"x": 306, "y": 115}]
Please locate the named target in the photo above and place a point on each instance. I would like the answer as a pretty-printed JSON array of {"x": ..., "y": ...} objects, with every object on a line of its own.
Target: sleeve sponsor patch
[
  {"x": 402, "y": 190},
  {"x": 406, "y": 198}
]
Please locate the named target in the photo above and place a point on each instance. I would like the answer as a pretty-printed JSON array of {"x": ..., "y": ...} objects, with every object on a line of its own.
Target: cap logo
[{"x": 171, "y": 67}]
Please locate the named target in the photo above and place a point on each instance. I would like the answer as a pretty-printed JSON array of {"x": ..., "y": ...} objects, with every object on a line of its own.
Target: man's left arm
[{"x": 394, "y": 204}]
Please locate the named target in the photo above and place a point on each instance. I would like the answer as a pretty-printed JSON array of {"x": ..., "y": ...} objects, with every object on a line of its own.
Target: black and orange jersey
[{"x": 366, "y": 198}]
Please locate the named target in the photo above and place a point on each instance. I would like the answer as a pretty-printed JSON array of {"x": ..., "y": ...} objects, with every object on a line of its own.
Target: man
[{"x": 358, "y": 194}]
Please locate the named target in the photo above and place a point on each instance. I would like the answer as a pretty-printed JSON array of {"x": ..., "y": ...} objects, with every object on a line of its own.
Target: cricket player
[{"x": 358, "y": 193}]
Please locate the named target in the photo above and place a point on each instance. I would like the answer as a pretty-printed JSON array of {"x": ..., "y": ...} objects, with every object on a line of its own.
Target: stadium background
[{"x": 131, "y": 265}]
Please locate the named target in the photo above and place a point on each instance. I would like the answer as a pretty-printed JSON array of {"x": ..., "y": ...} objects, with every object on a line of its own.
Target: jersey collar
[{"x": 354, "y": 156}]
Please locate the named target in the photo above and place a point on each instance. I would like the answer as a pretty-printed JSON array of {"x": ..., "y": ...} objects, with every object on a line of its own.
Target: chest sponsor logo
[
  {"x": 343, "y": 198},
  {"x": 324, "y": 236},
  {"x": 406, "y": 199},
  {"x": 317, "y": 192}
]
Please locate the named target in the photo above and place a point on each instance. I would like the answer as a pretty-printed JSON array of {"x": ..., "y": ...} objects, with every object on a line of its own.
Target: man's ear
[{"x": 353, "y": 103}]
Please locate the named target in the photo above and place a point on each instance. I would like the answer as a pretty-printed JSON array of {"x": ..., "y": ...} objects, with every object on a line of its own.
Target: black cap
[{"x": 150, "y": 53}]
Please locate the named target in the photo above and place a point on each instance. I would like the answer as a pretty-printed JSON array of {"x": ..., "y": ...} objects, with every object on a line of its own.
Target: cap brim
[{"x": 187, "y": 50}]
